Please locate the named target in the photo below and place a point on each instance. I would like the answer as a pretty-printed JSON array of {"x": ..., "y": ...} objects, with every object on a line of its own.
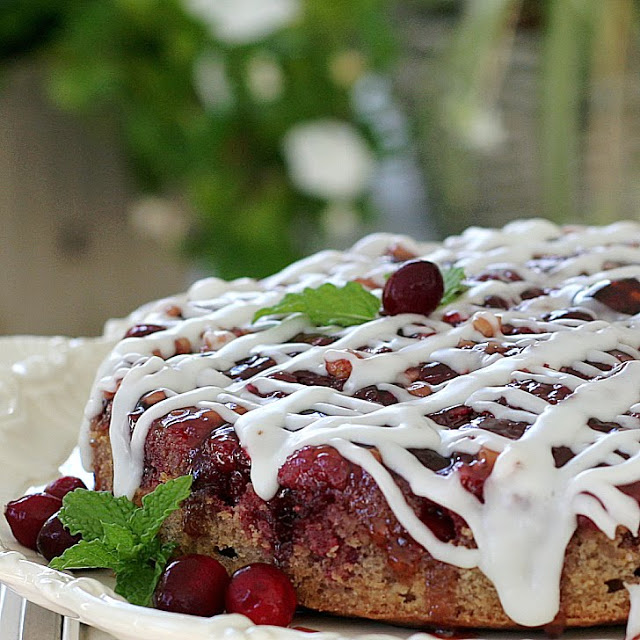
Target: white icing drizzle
[{"x": 530, "y": 506}]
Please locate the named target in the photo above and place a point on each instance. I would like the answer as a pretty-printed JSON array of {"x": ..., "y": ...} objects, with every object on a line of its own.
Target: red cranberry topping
[
  {"x": 54, "y": 539},
  {"x": 620, "y": 295},
  {"x": 315, "y": 339},
  {"x": 574, "y": 372},
  {"x": 27, "y": 515},
  {"x": 454, "y": 417},
  {"x": 632, "y": 490},
  {"x": 430, "y": 459},
  {"x": 64, "y": 485},
  {"x": 495, "y": 302},
  {"x": 436, "y": 373},
  {"x": 311, "y": 379},
  {"x": 313, "y": 470},
  {"x": 561, "y": 455},
  {"x": 603, "y": 427},
  {"x": 454, "y": 318},
  {"x": 502, "y": 426},
  {"x": 193, "y": 584},
  {"x": 504, "y": 275},
  {"x": 438, "y": 520},
  {"x": 416, "y": 287},
  {"x": 474, "y": 473},
  {"x": 171, "y": 439},
  {"x": 373, "y": 394},
  {"x": 552, "y": 393},
  {"x": 509, "y": 330},
  {"x": 221, "y": 466},
  {"x": 534, "y": 292},
  {"x": 569, "y": 314},
  {"x": 141, "y": 330},
  {"x": 249, "y": 367},
  {"x": 262, "y": 593}
]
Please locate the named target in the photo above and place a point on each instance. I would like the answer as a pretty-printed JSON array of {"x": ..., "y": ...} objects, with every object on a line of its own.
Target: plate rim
[
  {"x": 87, "y": 598},
  {"x": 90, "y": 600}
]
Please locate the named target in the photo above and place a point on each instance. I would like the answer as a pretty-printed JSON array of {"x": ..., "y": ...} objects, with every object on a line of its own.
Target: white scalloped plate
[{"x": 44, "y": 383}]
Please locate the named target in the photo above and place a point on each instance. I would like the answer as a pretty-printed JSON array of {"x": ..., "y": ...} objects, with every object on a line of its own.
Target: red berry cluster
[
  {"x": 34, "y": 522},
  {"x": 194, "y": 584},
  {"x": 199, "y": 585}
]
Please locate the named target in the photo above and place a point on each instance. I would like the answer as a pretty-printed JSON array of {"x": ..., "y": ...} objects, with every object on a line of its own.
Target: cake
[{"x": 478, "y": 466}]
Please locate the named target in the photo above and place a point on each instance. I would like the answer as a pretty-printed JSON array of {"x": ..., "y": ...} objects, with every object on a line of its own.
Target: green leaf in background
[
  {"x": 328, "y": 305},
  {"x": 202, "y": 115}
]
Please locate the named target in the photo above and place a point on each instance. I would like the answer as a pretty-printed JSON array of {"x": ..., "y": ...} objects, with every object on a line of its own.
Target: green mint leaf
[
  {"x": 122, "y": 537},
  {"x": 119, "y": 539},
  {"x": 136, "y": 581},
  {"x": 83, "y": 511},
  {"x": 157, "y": 506},
  {"x": 453, "y": 286},
  {"x": 328, "y": 305},
  {"x": 86, "y": 555},
  {"x": 138, "y": 577}
]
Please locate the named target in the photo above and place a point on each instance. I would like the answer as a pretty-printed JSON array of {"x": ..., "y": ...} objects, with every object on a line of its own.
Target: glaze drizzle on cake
[{"x": 538, "y": 361}]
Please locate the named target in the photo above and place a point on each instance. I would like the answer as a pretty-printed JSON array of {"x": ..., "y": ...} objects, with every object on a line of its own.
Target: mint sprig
[
  {"x": 118, "y": 535},
  {"x": 328, "y": 305},
  {"x": 352, "y": 304},
  {"x": 453, "y": 287}
]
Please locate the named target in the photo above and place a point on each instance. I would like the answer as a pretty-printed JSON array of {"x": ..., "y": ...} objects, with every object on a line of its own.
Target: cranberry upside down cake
[{"x": 455, "y": 445}]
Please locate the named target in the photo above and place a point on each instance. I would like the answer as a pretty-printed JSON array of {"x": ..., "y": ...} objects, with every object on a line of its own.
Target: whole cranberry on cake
[{"x": 478, "y": 466}]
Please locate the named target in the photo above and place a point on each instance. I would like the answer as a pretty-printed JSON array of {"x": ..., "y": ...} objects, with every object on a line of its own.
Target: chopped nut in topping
[{"x": 420, "y": 389}]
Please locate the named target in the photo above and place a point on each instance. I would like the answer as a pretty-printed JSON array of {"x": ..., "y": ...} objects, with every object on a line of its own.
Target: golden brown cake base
[{"x": 373, "y": 572}]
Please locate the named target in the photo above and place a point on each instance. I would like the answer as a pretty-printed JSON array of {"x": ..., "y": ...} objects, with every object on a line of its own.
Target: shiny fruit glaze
[
  {"x": 620, "y": 295},
  {"x": 416, "y": 287},
  {"x": 173, "y": 438},
  {"x": 141, "y": 330}
]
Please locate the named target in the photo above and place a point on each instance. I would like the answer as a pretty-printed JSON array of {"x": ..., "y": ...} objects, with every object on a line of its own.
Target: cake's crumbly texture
[
  {"x": 533, "y": 372},
  {"x": 352, "y": 558}
]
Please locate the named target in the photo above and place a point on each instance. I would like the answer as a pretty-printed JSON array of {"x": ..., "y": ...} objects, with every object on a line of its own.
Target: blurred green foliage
[
  {"x": 189, "y": 119},
  {"x": 585, "y": 53}
]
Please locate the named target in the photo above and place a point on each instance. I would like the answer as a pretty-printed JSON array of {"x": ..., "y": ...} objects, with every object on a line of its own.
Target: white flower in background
[
  {"x": 478, "y": 125},
  {"x": 328, "y": 159},
  {"x": 265, "y": 78},
  {"x": 160, "y": 220},
  {"x": 340, "y": 221},
  {"x": 346, "y": 67},
  {"x": 211, "y": 83},
  {"x": 244, "y": 21}
]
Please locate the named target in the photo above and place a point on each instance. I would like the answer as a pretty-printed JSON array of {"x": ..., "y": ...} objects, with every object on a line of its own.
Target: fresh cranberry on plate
[
  {"x": 263, "y": 593},
  {"x": 54, "y": 538},
  {"x": 27, "y": 515},
  {"x": 193, "y": 584},
  {"x": 61, "y": 486}
]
